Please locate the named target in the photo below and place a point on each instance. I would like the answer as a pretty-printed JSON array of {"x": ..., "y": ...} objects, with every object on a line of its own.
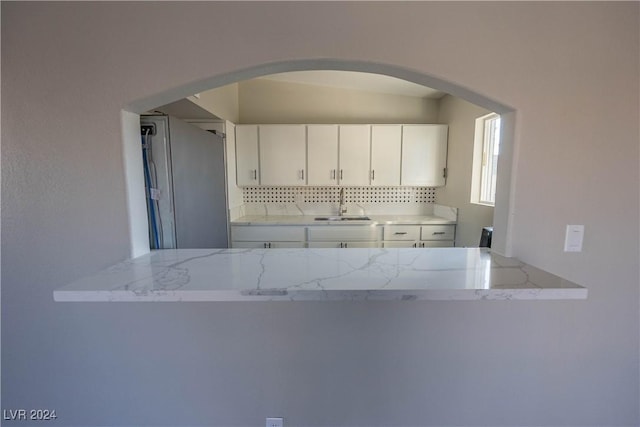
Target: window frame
[{"x": 485, "y": 161}]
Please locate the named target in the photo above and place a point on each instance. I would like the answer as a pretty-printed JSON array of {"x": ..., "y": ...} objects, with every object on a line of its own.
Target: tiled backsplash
[
  {"x": 332, "y": 194},
  {"x": 325, "y": 200}
]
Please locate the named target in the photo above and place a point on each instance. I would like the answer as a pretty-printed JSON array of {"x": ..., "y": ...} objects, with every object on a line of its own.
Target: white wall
[
  {"x": 460, "y": 116},
  {"x": 570, "y": 70},
  {"x": 222, "y": 102},
  {"x": 268, "y": 101}
]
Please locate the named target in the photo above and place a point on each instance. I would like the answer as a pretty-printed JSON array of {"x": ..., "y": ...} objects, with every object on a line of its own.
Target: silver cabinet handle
[
  {"x": 341, "y": 245},
  {"x": 302, "y": 173},
  {"x": 340, "y": 173},
  {"x": 269, "y": 245},
  {"x": 333, "y": 174},
  {"x": 400, "y": 232},
  {"x": 435, "y": 233},
  {"x": 255, "y": 174},
  {"x": 373, "y": 175},
  {"x": 265, "y": 245},
  {"x": 345, "y": 245},
  {"x": 415, "y": 245}
]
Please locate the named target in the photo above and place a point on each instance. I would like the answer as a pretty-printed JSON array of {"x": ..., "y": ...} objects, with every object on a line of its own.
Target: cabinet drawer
[
  {"x": 401, "y": 232},
  {"x": 344, "y": 233},
  {"x": 438, "y": 232},
  {"x": 260, "y": 233}
]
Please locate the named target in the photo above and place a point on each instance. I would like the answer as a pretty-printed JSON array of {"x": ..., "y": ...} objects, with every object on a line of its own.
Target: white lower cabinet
[
  {"x": 437, "y": 244},
  {"x": 437, "y": 232},
  {"x": 345, "y": 233},
  {"x": 438, "y": 236},
  {"x": 400, "y": 244},
  {"x": 401, "y": 236},
  {"x": 417, "y": 236},
  {"x": 342, "y": 236},
  {"x": 344, "y": 245},
  {"x": 267, "y": 245},
  {"x": 267, "y": 236},
  {"x": 363, "y": 236}
]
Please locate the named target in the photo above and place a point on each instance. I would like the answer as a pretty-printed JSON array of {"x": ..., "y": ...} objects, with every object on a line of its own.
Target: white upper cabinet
[
  {"x": 247, "y": 165},
  {"x": 424, "y": 155},
  {"x": 282, "y": 154},
  {"x": 355, "y": 151},
  {"x": 386, "y": 148},
  {"x": 347, "y": 155},
  {"x": 322, "y": 154}
]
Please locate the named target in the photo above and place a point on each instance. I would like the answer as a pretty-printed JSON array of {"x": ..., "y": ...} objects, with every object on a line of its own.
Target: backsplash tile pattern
[{"x": 367, "y": 195}]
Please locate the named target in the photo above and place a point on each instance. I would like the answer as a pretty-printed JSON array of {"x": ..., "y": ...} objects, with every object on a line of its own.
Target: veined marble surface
[
  {"x": 311, "y": 220},
  {"x": 319, "y": 275}
]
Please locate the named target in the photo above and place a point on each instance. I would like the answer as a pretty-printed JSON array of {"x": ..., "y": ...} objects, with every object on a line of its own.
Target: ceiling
[{"x": 357, "y": 81}]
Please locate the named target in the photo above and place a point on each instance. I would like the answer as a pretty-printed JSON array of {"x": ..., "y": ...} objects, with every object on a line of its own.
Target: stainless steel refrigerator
[{"x": 185, "y": 178}]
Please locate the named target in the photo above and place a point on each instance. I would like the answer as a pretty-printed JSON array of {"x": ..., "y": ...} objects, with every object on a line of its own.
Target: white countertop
[
  {"x": 320, "y": 275},
  {"x": 311, "y": 220}
]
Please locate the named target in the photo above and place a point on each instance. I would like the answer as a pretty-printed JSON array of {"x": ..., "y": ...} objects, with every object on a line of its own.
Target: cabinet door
[
  {"x": 386, "y": 148},
  {"x": 424, "y": 155},
  {"x": 247, "y": 166},
  {"x": 267, "y": 233},
  {"x": 322, "y": 154},
  {"x": 401, "y": 244},
  {"x": 267, "y": 245},
  {"x": 437, "y": 244},
  {"x": 247, "y": 245},
  {"x": 282, "y": 154},
  {"x": 344, "y": 233},
  {"x": 344, "y": 245},
  {"x": 355, "y": 149}
]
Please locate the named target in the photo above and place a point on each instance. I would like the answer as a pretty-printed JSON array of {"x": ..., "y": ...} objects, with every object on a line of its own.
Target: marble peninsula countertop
[
  {"x": 405, "y": 274},
  {"x": 311, "y": 220}
]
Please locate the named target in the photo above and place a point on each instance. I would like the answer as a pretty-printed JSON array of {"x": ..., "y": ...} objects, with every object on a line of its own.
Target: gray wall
[
  {"x": 570, "y": 71},
  {"x": 460, "y": 116}
]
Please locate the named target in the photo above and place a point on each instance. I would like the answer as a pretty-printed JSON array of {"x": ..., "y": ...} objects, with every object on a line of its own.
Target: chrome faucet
[{"x": 342, "y": 209}]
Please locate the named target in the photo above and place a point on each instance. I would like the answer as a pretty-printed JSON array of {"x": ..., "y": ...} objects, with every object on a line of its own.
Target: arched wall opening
[{"x": 136, "y": 205}]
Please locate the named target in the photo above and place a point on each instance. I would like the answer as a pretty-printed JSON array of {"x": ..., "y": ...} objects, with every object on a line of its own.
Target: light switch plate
[
  {"x": 573, "y": 238},
  {"x": 275, "y": 422}
]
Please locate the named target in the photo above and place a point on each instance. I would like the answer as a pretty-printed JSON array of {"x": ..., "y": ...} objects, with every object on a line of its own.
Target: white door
[
  {"x": 386, "y": 149},
  {"x": 424, "y": 155},
  {"x": 247, "y": 166},
  {"x": 282, "y": 154},
  {"x": 354, "y": 158},
  {"x": 322, "y": 154}
]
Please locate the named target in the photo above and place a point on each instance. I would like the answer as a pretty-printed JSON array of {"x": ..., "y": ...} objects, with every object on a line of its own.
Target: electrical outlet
[{"x": 275, "y": 422}]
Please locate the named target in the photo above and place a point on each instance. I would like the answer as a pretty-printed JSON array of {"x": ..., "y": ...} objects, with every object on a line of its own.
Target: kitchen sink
[{"x": 342, "y": 218}]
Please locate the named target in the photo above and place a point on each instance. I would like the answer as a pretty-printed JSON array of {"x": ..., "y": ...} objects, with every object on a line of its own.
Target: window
[{"x": 485, "y": 160}]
